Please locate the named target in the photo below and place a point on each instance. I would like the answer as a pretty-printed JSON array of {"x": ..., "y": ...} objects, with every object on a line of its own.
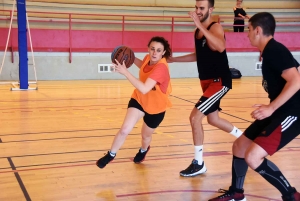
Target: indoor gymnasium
[{"x": 76, "y": 122}]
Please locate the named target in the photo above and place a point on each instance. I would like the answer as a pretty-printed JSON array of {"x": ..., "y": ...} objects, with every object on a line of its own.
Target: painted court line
[
  {"x": 187, "y": 191},
  {"x": 21, "y": 184},
  {"x": 94, "y": 163}
]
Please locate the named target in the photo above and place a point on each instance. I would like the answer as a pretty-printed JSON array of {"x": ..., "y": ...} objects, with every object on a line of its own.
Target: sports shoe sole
[
  {"x": 104, "y": 165},
  {"x": 202, "y": 171},
  {"x": 238, "y": 200}
]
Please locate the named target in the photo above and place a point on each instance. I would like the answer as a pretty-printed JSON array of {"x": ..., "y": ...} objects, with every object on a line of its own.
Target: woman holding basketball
[{"x": 149, "y": 100}]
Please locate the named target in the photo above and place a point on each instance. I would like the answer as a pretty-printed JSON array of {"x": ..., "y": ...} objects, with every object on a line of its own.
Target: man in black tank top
[
  {"x": 276, "y": 123},
  {"x": 215, "y": 80}
]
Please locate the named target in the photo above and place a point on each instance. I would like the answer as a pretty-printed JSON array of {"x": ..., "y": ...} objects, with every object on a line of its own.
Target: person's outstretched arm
[{"x": 185, "y": 58}]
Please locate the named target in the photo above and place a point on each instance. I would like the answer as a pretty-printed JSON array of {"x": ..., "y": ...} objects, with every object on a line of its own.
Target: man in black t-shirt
[{"x": 277, "y": 123}]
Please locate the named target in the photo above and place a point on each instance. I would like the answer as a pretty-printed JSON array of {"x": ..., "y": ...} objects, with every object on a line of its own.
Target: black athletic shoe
[
  {"x": 292, "y": 196},
  {"x": 140, "y": 157},
  {"x": 194, "y": 169},
  {"x": 230, "y": 195},
  {"x": 102, "y": 162}
]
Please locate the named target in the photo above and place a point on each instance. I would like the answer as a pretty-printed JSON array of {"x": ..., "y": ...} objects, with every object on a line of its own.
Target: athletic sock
[
  {"x": 239, "y": 170},
  {"x": 273, "y": 175},
  {"x": 199, "y": 154},
  {"x": 236, "y": 132}
]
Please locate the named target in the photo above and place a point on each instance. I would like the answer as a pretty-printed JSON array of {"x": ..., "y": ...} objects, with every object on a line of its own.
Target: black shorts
[
  {"x": 151, "y": 120},
  {"x": 238, "y": 28},
  {"x": 274, "y": 132},
  {"x": 213, "y": 92}
]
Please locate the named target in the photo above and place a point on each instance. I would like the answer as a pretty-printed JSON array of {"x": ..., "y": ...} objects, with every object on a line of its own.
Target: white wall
[{"x": 56, "y": 66}]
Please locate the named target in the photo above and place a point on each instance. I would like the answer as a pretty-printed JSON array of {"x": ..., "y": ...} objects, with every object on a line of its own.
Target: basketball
[{"x": 123, "y": 53}]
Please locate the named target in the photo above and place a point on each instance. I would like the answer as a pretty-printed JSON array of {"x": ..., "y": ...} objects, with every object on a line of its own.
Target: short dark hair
[
  {"x": 211, "y": 3},
  {"x": 264, "y": 20},
  {"x": 165, "y": 43}
]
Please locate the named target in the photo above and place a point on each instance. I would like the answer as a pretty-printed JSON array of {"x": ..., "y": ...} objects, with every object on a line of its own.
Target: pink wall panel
[
  {"x": 183, "y": 42},
  {"x": 97, "y": 41},
  {"x": 237, "y": 41},
  {"x": 106, "y": 41},
  {"x": 49, "y": 40},
  {"x": 42, "y": 39},
  {"x": 290, "y": 39},
  {"x": 138, "y": 40},
  {"x": 3, "y": 37}
]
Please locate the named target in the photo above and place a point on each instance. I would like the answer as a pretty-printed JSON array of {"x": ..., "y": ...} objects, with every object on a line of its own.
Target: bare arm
[
  {"x": 138, "y": 62},
  {"x": 291, "y": 87},
  {"x": 214, "y": 36},
  {"x": 138, "y": 84},
  {"x": 242, "y": 16},
  {"x": 185, "y": 58}
]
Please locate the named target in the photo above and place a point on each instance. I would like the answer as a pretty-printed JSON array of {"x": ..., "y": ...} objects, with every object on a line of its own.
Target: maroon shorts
[{"x": 274, "y": 132}]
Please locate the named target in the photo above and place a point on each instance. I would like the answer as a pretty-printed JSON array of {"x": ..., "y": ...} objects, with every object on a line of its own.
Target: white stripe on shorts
[
  {"x": 287, "y": 122},
  {"x": 203, "y": 107}
]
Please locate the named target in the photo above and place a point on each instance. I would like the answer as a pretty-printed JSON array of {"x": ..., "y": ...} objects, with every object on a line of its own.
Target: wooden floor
[{"x": 50, "y": 140}]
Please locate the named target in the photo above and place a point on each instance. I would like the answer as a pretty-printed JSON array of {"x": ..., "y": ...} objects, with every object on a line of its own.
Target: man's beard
[{"x": 204, "y": 17}]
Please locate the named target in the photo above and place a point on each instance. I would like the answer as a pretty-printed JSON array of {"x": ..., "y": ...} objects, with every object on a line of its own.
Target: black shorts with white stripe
[
  {"x": 274, "y": 132},
  {"x": 211, "y": 99}
]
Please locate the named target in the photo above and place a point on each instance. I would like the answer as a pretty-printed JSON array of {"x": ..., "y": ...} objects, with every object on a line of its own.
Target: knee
[
  {"x": 124, "y": 131},
  {"x": 251, "y": 159},
  {"x": 196, "y": 119},
  {"x": 146, "y": 137},
  {"x": 192, "y": 119},
  {"x": 235, "y": 146},
  {"x": 239, "y": 148}
]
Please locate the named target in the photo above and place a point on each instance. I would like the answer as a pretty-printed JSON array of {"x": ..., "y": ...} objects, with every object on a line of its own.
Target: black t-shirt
[
  {"x": 238, "y": 11},
  {"x": 211, "y": 64},
  {"x": 276, "y": 59}
]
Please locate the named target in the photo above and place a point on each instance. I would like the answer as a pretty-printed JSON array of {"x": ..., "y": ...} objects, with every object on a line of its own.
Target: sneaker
[
  {"x": 293, "y": 196},
  {"x": 230, "y": 195},
  {"x": 102, "y": 162},
  {"x": 194, "y": 169},
  {"x": 140, "y": 157}
]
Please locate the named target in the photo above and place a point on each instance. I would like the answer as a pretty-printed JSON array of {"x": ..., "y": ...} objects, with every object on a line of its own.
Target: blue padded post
[{"x": 22, "y": 44}]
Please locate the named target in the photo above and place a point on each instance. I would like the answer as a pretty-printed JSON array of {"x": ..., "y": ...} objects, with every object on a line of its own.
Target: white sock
[
  {"x": 142, "y": 150},
  {"x": 199, "y": 154},
  {"x": 236, "y": 132},
  {"x": 112, "y": 154}
]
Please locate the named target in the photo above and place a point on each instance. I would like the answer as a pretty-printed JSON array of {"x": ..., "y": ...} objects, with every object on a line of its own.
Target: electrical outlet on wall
[
  {"x": 258, "y": 66},
  {"x": 105, "y": 68}
]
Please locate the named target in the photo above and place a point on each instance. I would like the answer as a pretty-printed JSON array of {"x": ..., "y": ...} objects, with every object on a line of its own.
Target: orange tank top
[{"x": 155, "y": 101}]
